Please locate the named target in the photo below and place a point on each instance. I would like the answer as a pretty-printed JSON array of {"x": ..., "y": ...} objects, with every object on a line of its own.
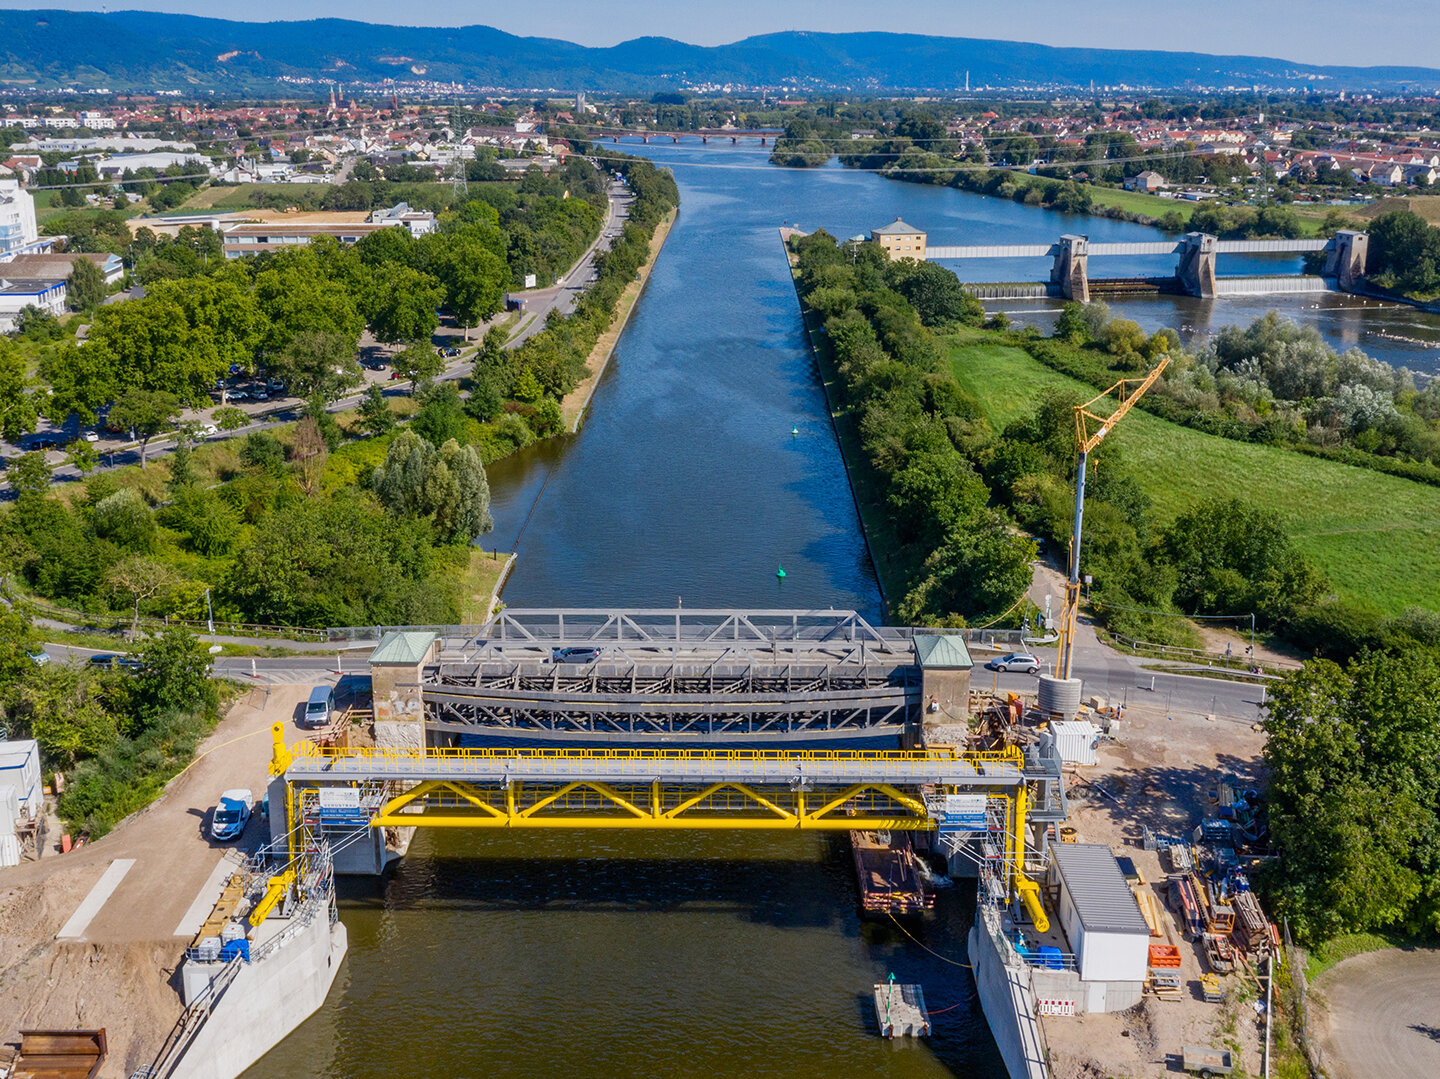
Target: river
[{"x": 707, "y": 955}]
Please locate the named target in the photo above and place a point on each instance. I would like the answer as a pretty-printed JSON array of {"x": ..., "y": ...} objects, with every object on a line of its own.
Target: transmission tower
[{"x": 458, "y": 187}]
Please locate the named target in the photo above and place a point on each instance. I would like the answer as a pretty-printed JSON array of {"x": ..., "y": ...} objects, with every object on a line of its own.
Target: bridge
[
  {"x": 361, "y": 803},
  {"x": 1195, "y": 272},
  {"x": 677, "y": 676},
  {"x": 704, "y": 134}
]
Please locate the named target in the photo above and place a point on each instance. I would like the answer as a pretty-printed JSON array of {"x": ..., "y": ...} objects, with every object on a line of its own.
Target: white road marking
[
  {"x": 205, "y": 901},
  {"x": 91, "y": 904}
]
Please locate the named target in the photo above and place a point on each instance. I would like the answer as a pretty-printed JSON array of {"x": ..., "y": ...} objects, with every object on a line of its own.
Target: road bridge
[{"x": 1195, "y": 272}]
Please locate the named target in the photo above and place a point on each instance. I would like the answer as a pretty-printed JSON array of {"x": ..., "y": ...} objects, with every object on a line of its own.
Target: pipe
[{"x": 1029, "y": 893}]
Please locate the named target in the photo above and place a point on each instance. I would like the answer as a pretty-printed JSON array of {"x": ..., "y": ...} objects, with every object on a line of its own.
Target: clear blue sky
[{"x": 1311, "y": 31}]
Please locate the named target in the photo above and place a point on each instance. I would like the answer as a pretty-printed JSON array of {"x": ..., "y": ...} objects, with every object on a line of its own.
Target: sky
[{"x": 1358, "y": 32}]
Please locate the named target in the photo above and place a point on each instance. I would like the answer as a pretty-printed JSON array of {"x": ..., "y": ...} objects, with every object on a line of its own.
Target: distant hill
[{"x": 147, "y": 50}]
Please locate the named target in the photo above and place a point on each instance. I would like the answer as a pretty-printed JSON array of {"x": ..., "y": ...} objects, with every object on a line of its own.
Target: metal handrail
[{"x": 540, "y": 755}]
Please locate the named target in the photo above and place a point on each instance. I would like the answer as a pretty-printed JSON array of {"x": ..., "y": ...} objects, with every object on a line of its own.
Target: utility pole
[{"x": 459, "y": 188}]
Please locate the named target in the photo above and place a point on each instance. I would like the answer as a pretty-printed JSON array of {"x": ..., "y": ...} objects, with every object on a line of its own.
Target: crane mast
[{"x": 1128, "y": 391}]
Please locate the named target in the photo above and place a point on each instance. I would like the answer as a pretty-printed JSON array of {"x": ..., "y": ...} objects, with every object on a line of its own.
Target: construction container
[
  {"x": 1074, "y": 739},
  {"x": 9, "y": 809},
  {"x": 20, "y": 768},
  {"x": 9, "y": 850}
]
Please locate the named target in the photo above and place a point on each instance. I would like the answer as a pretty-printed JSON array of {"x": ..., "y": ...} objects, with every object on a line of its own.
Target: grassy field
[
  {"x": 1376, "y": 537},
  {"x": 1427, "y": 206},
  {"x": 1154, "y": 206}
]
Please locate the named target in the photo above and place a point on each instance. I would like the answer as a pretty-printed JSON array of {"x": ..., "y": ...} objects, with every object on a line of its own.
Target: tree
[
  {"x": 1354, "y": 761},
  {"x": 146, "y": 413},
  {"x": 139, "y": 578},
  {"x": 30, "y": 475},
  {"x": 125, "y": 520},
  {"x": 417, "y": 361},
  {"x": 322, "y": 362},
  {"x": 446, "y": 486},
  {"x": 441, "y": 416},
  {"x": 981, "y": 568},
  {"x": 938, "y": 296},
  {"x": 18, "y": 409},
  {"x": 85, "y": 287},
  {"x": 230, "y": 418},
  {"x": 375, "y": 415},
  {"x": 175, "y": 675},
  {"x": 82, "y": 380},
  {"x": 401, "y": 303},
  {"x": 474, "y": 279},
  {"x": 309, "y": 452}
]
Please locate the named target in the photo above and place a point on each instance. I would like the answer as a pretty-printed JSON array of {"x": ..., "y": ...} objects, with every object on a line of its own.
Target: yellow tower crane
[{"x": 1087, "y": 441}]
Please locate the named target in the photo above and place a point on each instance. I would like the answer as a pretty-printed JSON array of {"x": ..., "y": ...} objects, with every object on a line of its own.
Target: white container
[
  {"x": 20, "y": 768},
  {"x": 9, "y": 809},
  {"x": 1075, "y": 739},
  {"x": 9, "y": 851}
]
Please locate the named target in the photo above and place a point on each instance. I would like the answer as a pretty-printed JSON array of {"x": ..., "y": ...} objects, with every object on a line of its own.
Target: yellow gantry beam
[{"x": 589, "y": 804}]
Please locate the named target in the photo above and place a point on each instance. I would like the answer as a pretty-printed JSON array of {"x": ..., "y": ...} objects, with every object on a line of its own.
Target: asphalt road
[{"x": 1112, "y": 676}]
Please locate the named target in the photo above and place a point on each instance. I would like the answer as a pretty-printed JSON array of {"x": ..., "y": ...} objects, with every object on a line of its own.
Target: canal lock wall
[{"x": 1007, "y": 999}]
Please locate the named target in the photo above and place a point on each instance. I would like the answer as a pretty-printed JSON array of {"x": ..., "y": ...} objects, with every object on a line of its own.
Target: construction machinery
[{"x": 1128, "y": 391}]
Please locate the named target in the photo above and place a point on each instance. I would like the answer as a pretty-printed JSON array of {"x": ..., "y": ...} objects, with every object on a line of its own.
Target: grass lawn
[
  {"x": 477, "y": 581},
  {"x": 1154, "y": 206},
  {"x": 1376, "y": 537}
]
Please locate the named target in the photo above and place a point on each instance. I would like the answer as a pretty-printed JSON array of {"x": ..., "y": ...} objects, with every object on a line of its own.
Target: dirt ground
[
  {"x": 1159, "y": 772},
  {"x": 121, "y": 973},
  {"x": 1377, "y": 1016}
]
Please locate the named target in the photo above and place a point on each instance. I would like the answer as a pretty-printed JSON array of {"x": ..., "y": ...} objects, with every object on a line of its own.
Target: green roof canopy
[
  {"x": 942, "y": 651},
  {"x": 407, "y": 648}
]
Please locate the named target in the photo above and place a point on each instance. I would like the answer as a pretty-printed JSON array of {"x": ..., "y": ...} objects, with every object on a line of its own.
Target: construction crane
[{"x": 1087, "y": 441}]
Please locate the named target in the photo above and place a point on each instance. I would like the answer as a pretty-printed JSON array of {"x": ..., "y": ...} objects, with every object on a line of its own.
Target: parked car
[
  {"x": 90, "y": 436},
  {"x": 231, "y": 814},
  {"x": 261, "y": 395},
  {"x": 449, "y": 353},
  {"x": 394, "y": 375},
  {"x": 1015, "y": 661},
  {"x": 39, "y": 657},
  {"x": 379, "y": 365},
  {"x": 207, "y": 430},
  {"x": 239, "y": 395},
  {"x": 575, "y": 655}
]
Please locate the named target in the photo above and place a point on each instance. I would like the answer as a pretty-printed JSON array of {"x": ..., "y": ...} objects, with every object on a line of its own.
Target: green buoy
[
  {"x": 780, "y": 572},
  {"x": 794, "y": 432}
]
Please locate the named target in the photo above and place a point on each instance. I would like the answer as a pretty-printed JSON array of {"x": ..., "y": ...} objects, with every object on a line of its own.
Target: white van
[{"x": 319, "y": 707}]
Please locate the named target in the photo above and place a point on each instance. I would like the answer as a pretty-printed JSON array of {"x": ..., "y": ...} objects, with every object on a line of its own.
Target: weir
[{"x": 1196, "y": 271}]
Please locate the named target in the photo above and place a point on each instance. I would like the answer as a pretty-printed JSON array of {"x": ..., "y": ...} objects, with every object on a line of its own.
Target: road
[
  {"x": 565, "y": 293},
  {"x": 1383, "y": 1012},
  {"x": 563, "y": 296},
  {"x": 1115, "y": 677}
]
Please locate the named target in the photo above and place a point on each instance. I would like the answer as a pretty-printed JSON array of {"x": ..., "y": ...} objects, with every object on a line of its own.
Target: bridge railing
[{"x": 482, "y": 753}]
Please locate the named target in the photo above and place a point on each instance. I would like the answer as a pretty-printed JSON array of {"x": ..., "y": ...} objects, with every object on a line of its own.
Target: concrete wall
[
  {"x": 950, "y": 688},
  {"x": 266, "y": 1001},
  {"x": 1008, "y": 1003}
]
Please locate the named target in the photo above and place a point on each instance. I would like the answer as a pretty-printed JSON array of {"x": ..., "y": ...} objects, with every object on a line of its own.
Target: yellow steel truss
[{"x": 592, "y": 804}]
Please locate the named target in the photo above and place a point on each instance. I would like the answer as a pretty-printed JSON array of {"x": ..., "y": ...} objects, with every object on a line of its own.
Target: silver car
[{"x": 1015, "y": 661}]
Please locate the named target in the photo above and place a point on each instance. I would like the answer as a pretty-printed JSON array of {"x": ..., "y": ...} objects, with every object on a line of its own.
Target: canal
[{"x": 707, "y": 462}]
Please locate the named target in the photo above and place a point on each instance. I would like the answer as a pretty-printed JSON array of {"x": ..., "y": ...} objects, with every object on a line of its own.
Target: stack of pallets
[{"x": 1252, "y": 931}]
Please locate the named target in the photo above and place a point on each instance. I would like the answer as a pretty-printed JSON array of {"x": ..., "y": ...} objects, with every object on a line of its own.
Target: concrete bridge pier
[
  {"x": 1197, "y": 264},
  {"x": 1345, "y": 258},
  {"x": 1071, "y": 268}
]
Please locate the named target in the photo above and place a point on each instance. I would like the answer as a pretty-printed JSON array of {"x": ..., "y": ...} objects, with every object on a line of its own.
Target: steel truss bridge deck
[
  {"x": 757, "y": 789},
  {"x": 751, "y": 675}
]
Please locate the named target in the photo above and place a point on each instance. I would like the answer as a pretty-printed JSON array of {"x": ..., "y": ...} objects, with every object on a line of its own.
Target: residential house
[
  {"x": 54, "y": 268},
  {"x": 1149, "y": 182}
]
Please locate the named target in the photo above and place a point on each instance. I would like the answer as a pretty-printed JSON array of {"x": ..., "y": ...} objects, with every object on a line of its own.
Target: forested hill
[{"x": 134, "y": 49}]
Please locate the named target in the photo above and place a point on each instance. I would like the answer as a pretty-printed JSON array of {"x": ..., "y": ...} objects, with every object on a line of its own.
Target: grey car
[{"x": 1015, "y": 661}]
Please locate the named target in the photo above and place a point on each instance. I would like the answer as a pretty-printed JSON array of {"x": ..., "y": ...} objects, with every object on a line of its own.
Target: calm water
[{"x": 599, "y": 955}]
